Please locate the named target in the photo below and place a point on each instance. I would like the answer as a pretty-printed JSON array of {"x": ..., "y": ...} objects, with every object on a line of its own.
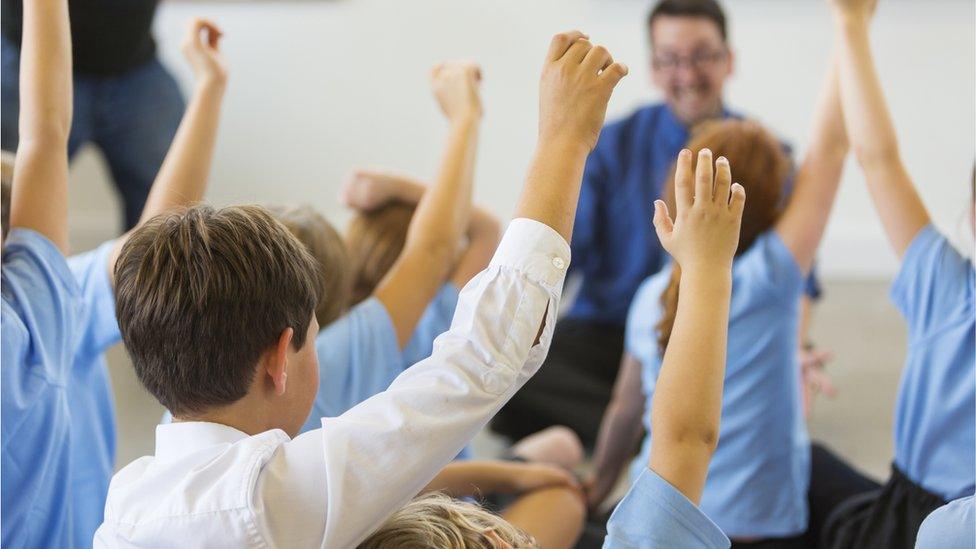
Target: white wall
[{"x": 320, "y": 87}]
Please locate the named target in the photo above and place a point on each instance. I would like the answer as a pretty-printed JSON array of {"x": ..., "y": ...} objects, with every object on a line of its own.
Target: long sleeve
[{"x": 351, "y": 474}]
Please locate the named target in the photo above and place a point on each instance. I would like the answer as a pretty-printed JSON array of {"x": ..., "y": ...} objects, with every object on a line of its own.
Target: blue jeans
[{"x": 131, "y": 117}]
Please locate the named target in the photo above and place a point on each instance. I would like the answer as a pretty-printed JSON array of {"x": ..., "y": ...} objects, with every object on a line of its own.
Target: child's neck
[{"x": 248, "y": 415}]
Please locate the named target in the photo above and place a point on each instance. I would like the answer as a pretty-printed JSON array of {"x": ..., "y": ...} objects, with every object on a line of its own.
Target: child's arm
[
  {"x": 872, "y": 132},
  {"x": 442, "y": 213},
  {"x": 620, "y": 431},
  {"x": 802, "y": 224},
  {"x": 352, "y": 474},
  {"x": 369, "y": 189},
  {"x": 183, "y": 176},
  {"x": 40, "y": 191},
  {"x": 688, "y": 395},
  {"x": 480, "y": 477},
  {"x": 577, "y": 80}
]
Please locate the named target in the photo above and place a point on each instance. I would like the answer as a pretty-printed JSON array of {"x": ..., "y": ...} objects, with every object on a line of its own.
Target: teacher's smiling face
[{"x": 690, "y": 63}]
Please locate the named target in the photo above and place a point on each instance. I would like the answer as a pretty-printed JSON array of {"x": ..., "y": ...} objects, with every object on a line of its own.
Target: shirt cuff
[{"x": 536, "y": 249}]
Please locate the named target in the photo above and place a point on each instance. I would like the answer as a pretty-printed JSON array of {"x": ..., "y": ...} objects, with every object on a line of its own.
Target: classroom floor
[{"x": 856, "y": 320}]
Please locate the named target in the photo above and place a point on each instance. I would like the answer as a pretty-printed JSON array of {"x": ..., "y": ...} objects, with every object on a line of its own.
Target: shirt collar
[{"x": 177, "y": 439}]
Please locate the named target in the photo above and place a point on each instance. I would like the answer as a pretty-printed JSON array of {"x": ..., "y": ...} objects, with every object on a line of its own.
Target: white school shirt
[{"x": 212, "y": 486}]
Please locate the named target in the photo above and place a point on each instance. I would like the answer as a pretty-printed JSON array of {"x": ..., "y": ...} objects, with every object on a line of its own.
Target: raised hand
[
  {"x": 200, "y": 47},
  {"x": 705, "y": 231},
  {"x": 577, "y": 81},
  {"x": 455, "y": 85},
  {"x": 367, "y": 189}
]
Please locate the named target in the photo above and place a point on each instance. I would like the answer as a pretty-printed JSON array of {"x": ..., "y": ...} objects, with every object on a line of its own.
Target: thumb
[{"x": 662, "y": 220}]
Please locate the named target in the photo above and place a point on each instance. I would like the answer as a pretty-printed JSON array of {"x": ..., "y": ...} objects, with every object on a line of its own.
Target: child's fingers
[
  {"x": 737, "y": 201},
  {"x": 597, "y": 59},
  {"x": 662, "y": 219},
  {"x": 214, "y": 34},
  {"x": 614, "y": 72},
  {"x": 723, "y": 180},
  {"x": 578, "y": 51},
  {"x": 561, "y": 42},
  {"x": 703, "y": 177},
  {"x": 684, "y": 191}
]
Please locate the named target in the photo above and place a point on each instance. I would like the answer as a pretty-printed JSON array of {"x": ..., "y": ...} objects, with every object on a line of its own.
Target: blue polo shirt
[
  {"x": 90, "y": 394},
  {"x": 41, "y": 311},
  {"x": 935, "y": 414},
  {"x": 359, "y": 355},
  {"x": 655, "y": 515},
  {"x": 759, "y": 474},
  {"x": 614, "y": 245},
  {"x": 952, "y": 526}
]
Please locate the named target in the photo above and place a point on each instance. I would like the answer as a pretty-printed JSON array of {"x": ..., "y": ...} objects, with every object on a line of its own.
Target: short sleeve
[
  {"x": 435, "y": 321},
  {"x": 769, "y": 269},
  {"x": 933, "y": 284},
  {"x": 949, "y": 527},
  {"x": 99, "y": 328},
  {"x": 640, "y": 336},
  {"x": 654, "y": 514},
  {"x": 359, "y": 356},
  {"x": 40, "y": 309}
]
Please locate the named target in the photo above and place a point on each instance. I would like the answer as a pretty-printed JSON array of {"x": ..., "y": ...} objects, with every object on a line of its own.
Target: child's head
[
  {"x": 375, "y": 240},
  {"x": 436, "y": 520},
  {"x": 760, "y": 165},
  {"x": 329, "y": 250},
  {"x": 216, "y": 306}
]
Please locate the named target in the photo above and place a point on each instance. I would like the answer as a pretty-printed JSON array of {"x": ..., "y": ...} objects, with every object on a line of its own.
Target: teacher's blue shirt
[{"x": 614, "y": 245}]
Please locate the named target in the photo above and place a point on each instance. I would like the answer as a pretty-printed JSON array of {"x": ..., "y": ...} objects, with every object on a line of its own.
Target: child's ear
[{"x": 277, "y": 361}]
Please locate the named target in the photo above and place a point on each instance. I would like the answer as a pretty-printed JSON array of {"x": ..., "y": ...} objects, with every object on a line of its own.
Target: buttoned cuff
[{"x": 535, "y": 249}]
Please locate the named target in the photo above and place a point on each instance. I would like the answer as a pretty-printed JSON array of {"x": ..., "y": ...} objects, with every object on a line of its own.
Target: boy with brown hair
[{"x": 217, "y": 309}]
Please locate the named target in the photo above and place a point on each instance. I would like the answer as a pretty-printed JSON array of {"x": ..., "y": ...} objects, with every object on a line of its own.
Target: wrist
[
  {"x": 212, "y": 83},
  {"x": 563, "y": 147},
  {"x": 706, "y": 275},
  {"x": 852, "y": 21},
  {"x": 466, "y": 120}
]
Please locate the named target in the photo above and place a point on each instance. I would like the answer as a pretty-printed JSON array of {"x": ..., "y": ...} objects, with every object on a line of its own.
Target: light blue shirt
[
  {"x": 90, "y": 400},
  {"x": 654, "y": 514},
  {"x": 41, "y": 311},
  {"x": 758, "y": 477},
  {"x": 952, "y": 526},
  {"x": 359, "y": 355},
  {"x": 935, "y": 415}
]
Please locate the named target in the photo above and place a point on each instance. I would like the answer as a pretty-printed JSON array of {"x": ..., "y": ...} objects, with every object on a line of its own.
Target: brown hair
[
  {"x": 707, "y": 9},
  {"x": 760, "y": 165},
  {"x": 329, "y": 250},
  {"x": 436, "y": 520},
  {"x": 202, "y": 293},
  {"x": 375, "y": 240}
]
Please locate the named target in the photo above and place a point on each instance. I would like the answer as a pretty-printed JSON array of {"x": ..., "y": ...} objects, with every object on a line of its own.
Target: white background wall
[{"x": 320, "y": 87}]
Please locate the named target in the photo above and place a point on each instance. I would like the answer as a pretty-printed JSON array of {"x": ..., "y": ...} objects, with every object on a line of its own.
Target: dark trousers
[
  {"x": 573, "y": 386},
  {"x": 131, "y": 117},
  {"x": 832, "y": 482},
  {"x": 888, "y": 518}
]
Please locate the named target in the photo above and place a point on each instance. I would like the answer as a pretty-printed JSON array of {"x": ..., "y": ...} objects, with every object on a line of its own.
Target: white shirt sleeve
[{"x": 333, "y": 486}]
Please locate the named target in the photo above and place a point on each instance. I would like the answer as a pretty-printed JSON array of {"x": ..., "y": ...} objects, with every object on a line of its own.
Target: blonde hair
[
  {"x": 375, "y": 240},
  {"x": 329, "y": 250},
  {"x": 436, "y": 520}
]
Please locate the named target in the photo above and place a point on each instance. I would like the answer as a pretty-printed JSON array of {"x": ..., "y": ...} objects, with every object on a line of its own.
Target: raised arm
[
  {"x": 368, "y": 190},
  {"x": 688, "y": 395},
  {"x": 442, "y": 213},
  {"x": 577, "y": 80},
  {"x": 39, "y": 198},
  {"x": 802, "y": 224},
  {"x": 620, "y": 431},
  {"x": 183, "y": 176},
  {"x": 871, "y": 130}
]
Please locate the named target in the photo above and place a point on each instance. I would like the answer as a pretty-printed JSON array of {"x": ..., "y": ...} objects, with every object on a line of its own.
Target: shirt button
[{"x": 558, "y": 263}]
